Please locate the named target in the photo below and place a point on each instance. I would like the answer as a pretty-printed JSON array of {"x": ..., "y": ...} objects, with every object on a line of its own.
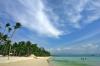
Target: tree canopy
[{"x": 22, "y": 48}]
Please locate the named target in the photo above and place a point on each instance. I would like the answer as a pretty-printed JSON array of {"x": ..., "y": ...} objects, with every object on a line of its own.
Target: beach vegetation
[{"x": 21, "y": 48}]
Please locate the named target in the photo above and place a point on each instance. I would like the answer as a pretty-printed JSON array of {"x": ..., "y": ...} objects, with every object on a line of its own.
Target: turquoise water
[{"x": 75, "y": 61}]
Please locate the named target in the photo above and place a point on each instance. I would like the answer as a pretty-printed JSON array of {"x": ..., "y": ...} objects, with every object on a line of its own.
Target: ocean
[{"x": 74, "y": 61}]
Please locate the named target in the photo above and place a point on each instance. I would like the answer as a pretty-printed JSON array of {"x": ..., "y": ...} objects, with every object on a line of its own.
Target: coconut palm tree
[{"x": 17, "y": 26}]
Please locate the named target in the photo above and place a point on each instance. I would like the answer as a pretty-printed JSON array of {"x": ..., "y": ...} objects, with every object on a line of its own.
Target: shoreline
[{"x": 24, "y": 61}]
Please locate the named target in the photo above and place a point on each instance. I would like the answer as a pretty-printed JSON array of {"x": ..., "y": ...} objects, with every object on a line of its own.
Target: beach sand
[{"x": 40, "y": 61}]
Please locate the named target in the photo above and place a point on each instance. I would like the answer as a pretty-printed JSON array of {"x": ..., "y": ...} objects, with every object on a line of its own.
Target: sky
[{"x": 60, "y": 26}]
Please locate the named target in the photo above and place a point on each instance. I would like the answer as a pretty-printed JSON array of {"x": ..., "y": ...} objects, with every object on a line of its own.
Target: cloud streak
[
  {"x": 46, "y": 20},
  {"x": 32, "y": 15},
  {"x": 89, "y": 48},
  {"x": 82, "y": 11}
]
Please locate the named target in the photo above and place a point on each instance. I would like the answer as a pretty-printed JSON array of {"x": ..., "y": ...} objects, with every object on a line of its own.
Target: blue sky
[{"x": 62, "y": 26}]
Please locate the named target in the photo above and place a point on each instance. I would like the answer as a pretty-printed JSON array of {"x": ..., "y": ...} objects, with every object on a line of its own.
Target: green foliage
[
  {"x": 22, "y": 48},
  {"x": 18, "y": 25},
  {"x": 7, "y": 25}
]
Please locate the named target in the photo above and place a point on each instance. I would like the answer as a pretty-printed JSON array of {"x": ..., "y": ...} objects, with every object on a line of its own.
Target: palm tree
[
  {"x": 17, "y": 26},
  {"x": 5, "y": 37}
]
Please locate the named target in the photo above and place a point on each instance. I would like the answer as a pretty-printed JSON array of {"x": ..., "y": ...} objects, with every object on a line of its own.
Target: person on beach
[{"x": 84, "y": 58}]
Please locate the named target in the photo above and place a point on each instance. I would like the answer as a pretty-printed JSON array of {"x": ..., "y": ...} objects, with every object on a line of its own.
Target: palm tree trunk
[
  {"x": 13, "y": 34},
  {"x": 9, "y": 52}
]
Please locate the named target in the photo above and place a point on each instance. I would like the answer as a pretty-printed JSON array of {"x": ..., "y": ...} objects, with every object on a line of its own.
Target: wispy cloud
[
  {"x": 88, "y": 48},
  {"x": 31, "y": 13},
  {"x": 91, "y": 46},
  {"x": 87, "y": 38},
  {"x": 82, "y": 11},
  {"x": 73, "y": 11}
]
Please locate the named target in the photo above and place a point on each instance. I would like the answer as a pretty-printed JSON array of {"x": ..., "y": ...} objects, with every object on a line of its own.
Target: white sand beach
[{"x": 24, "y": 61}]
